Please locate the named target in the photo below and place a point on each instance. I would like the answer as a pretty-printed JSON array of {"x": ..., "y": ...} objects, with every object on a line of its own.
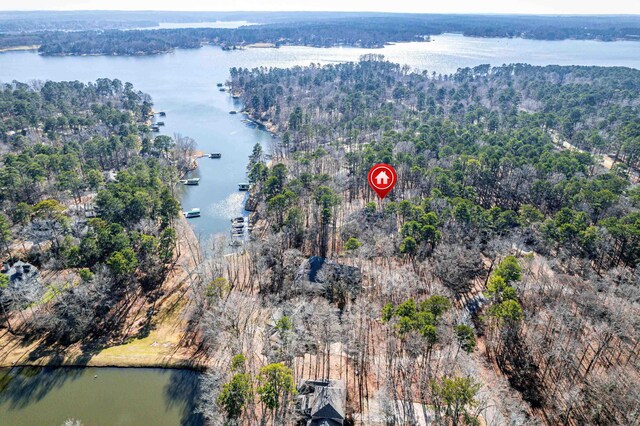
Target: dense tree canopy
[{"x": 79, "y": 187}]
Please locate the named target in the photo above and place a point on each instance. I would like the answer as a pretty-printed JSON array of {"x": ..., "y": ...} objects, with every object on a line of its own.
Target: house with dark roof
[
  {"x": 324, "y": 277},
  {"x": 20, "y": 272},
  {"x": 321, "y": 402},
  {"x": 23, "y": 277}
]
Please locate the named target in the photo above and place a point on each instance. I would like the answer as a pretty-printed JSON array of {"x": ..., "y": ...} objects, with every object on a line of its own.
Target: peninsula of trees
[{"x": 498, "y": 281}]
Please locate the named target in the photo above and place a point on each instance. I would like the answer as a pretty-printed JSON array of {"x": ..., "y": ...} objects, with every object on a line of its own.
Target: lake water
[
  {"x": 183, "y": 84},
  {"x": 98, "y": 396}
]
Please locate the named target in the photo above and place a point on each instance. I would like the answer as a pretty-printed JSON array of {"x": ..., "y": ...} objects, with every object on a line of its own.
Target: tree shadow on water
[
  {"x": 21, "y": 386},
  {"x": 183, "y": 391}
]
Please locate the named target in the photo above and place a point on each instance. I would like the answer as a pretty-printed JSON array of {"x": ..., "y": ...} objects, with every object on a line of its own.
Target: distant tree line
[{"x": 372, "y": 30}]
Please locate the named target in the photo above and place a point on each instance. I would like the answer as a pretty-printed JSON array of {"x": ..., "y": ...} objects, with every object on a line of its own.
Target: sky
[{"x": 416, "y": 6}]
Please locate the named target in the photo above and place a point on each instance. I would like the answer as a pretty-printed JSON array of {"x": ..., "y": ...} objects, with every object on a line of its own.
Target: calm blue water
[{"x": 184, "y": 85}]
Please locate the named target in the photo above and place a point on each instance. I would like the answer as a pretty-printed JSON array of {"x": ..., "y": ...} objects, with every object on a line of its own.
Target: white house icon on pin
[{"x": 382, "y": 178}]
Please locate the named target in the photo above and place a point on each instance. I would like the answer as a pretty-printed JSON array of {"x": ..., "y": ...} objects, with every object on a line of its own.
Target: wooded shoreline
[{"x": 354, "y": 31}]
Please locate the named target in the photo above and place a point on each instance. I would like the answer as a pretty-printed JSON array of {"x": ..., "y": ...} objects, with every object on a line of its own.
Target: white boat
[
  {"x": 192, "y": 181},
  {"x": 192, "y": 213}
]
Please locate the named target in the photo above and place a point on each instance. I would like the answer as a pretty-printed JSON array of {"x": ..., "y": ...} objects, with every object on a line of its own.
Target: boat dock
[{"x": 240, "y": 230}]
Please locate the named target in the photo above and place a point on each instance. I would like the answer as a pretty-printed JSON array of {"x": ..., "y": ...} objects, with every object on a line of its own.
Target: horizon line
[{"x": 555, "y": 14}]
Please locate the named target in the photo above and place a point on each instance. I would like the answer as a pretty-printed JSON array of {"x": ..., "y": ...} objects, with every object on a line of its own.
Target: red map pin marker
[{"x": 382, "y": 178}]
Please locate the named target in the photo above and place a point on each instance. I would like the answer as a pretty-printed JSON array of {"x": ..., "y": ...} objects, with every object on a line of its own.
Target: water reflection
[
  {"x": 183, "y": 393},
  {"x": 228, "y": 208},
  {"x": 20, "y": 387},
  {"x": 99, "y": 396}
]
